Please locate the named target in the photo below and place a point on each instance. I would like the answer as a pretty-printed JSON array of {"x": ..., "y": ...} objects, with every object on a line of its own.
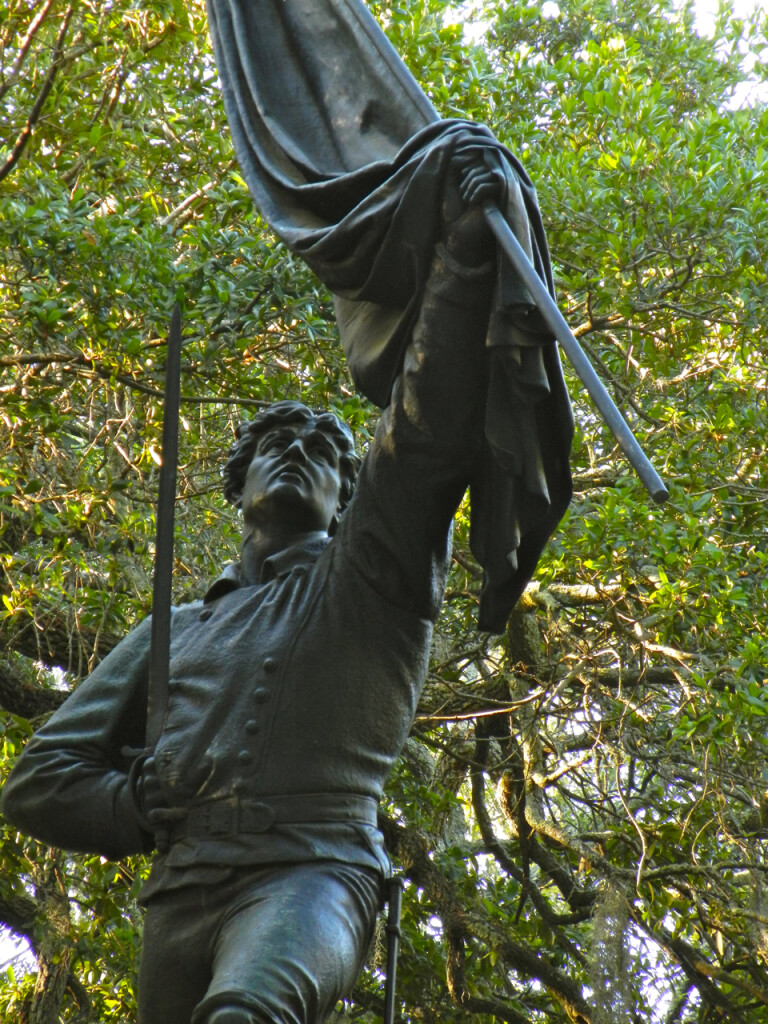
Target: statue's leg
[
  {"x": 293, "y": 944},
  {"x": 233, "y": 1015},
  {"x": 176, "y": 955}
]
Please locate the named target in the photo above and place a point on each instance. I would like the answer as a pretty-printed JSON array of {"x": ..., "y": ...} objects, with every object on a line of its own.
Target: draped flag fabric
[{"x": 345, "y": 159}]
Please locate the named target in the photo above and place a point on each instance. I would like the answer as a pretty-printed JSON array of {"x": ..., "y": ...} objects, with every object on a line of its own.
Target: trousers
[{"x": 284, "y": 942}]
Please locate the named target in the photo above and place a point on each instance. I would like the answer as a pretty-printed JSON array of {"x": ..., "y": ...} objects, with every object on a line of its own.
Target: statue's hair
[{"x": 247, "y": 437}]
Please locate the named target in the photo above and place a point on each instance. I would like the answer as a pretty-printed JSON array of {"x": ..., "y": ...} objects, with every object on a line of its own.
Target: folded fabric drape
[{"x": 347, "y": 167}]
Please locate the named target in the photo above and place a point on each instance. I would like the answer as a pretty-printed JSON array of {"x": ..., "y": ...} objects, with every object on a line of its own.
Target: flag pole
[
  {"x": 523, "y": 266},
  {"x": 556, "y": 322}
]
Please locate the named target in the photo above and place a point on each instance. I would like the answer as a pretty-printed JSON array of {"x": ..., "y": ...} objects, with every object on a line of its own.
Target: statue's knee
[{"x": 232, "y": 1015}]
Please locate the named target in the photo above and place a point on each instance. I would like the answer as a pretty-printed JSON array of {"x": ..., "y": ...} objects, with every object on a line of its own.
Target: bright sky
[
  {"x": 707, "y": 9},
  {"x": 706, "y": 12}
]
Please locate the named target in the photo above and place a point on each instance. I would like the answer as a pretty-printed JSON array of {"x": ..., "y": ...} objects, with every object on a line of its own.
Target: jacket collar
[{"x": 301, "y": 555}]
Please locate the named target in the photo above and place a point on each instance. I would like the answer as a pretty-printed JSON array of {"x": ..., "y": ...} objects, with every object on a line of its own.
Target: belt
[{"x": 232, "y": 816}]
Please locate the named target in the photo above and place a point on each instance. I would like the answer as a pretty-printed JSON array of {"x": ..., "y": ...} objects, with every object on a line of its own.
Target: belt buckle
[{"x": 256, "y": 817}]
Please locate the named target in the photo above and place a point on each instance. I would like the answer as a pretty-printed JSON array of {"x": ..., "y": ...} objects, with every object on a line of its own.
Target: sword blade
[{"x": 160, "y": 642}]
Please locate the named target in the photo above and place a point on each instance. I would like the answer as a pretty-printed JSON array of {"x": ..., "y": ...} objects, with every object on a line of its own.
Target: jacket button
[
  {"x": 251, "y": 726},
  {"x": 245, "y": 757},
  {"x": 261, "y": 694},
  {"x": 269, "y": 664}
]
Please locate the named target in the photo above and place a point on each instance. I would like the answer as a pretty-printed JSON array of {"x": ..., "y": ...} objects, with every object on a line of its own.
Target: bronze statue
[
  {"x": 294, "y": 683},
  {"x": 293, "y": 686}
]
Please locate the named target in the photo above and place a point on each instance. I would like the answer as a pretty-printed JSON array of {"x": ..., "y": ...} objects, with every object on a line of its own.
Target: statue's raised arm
[{"x": 347, "y": 161}]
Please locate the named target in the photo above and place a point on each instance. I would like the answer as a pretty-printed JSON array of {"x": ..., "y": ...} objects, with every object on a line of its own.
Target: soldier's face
[{"x": 294, "y": 475}]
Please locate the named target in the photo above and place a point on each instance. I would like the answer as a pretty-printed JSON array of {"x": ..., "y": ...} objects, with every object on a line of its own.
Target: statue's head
[{"x": 295, "y": 460}]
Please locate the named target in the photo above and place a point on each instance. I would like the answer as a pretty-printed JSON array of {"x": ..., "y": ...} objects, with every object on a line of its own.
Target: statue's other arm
[{"x": 71, "y": 786}]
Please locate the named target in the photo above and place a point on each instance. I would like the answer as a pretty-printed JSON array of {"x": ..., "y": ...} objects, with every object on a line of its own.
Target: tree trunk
[{"x": 54, "y": 950}]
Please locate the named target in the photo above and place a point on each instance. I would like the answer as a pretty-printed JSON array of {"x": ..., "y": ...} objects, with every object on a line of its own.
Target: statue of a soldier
[
  {"x": 294, "y": 682},
  {"x": 293, "y": 686}
]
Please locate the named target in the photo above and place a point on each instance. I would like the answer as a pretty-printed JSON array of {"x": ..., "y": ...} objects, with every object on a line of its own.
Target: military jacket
[{"x": 307, "y": 682}]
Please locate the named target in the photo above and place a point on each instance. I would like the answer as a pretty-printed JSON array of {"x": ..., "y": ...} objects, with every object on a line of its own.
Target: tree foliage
[{"x": 581, "y": 812}]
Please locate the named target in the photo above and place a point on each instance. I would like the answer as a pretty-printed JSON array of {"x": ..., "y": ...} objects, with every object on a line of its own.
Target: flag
[{"x": 345, "y": 158}]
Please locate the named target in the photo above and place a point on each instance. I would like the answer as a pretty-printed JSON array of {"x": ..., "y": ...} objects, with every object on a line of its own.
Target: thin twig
[
  {"x": 26, "y": 132},
  {"x": 24, "y": 46}
]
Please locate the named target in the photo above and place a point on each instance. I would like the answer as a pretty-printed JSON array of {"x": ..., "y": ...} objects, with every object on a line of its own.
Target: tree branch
[
  {"x": 529, "y": 888},
  {"x": 25, "y": 918},
  {"x": 19, "y": 914},
  {"x": 24, "y": 46},
  {"x": 79, "y": 363},
  {"x": 466, "y": 916},
  {"x": 50, "y": 639},
  {"x": 20, "y": 697},
  {"x": 26, "y": 132}
]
